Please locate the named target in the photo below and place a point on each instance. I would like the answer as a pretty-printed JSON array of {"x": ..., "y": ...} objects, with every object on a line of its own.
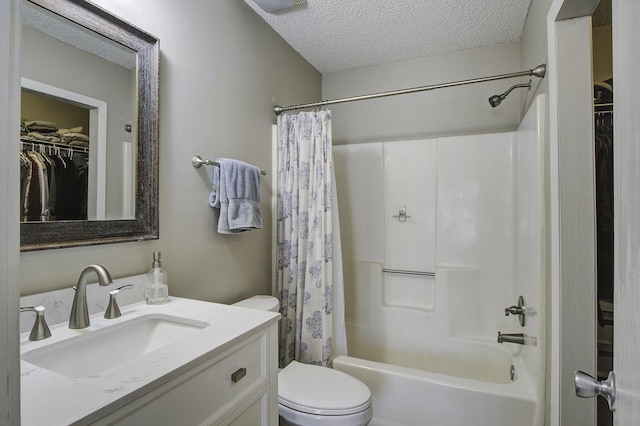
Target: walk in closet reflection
[
  {"x": 53, "y": 181},
  {"x": 54, "y": 159}
]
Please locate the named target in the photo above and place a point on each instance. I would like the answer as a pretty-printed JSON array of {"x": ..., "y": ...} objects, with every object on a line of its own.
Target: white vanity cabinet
[
  {"x": 204, "y": 364},
  {"x": 235, "y": 387}
]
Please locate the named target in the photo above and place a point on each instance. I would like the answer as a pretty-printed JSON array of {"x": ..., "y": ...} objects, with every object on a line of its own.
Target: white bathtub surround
[
  {"x": 476, "y": 207},
  {"x": 530, "y": 254},
  {"x": 57, "y": 399},
  {"x": 308, "y": 270},
  {"x": 410, "y": 174}
]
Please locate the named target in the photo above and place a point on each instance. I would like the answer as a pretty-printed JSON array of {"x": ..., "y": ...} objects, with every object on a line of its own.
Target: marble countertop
[{"x": 53, "y": 399}]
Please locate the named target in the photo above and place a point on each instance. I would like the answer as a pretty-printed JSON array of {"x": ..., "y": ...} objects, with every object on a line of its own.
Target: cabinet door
[
  {"x": 253, "y": 413},
  {"x": 206, "y": 394}
]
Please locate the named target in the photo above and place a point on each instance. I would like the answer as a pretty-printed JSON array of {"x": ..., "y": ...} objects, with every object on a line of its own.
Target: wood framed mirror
[{"x": 143, "y": 221}]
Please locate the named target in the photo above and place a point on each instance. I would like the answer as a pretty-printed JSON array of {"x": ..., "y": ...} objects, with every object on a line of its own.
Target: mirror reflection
[
  {"x": 76, "y": 56},
  {"x": 54, "y": 161},
  {"x": 77, "y": 116}
]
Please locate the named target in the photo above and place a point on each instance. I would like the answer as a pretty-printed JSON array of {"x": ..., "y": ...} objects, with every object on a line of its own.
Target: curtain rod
[{"x": 538, "y": 71}]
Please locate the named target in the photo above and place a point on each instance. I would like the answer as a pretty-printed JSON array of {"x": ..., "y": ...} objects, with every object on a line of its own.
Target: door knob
[{"x": 588, "y": 387}]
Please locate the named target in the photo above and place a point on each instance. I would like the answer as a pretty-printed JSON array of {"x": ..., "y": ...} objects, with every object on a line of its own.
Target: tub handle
[{"x": 519, "y": 310}]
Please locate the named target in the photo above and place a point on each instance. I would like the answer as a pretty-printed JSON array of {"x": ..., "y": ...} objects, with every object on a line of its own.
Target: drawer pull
[{"x": 238, "y": 375}]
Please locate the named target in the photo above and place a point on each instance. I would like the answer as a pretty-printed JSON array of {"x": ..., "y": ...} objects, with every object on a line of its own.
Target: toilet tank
[{"x": 261, "y": 302}]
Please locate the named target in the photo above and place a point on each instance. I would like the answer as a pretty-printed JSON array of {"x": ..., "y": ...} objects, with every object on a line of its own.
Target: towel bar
[{"x": 197, "y": 162}]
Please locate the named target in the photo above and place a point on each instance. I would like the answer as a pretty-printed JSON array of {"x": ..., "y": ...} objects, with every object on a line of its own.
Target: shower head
[{"x": 495, "y": 100}]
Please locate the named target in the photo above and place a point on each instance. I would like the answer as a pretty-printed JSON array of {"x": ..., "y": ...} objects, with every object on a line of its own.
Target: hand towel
[{"x": 236, "y": 192}]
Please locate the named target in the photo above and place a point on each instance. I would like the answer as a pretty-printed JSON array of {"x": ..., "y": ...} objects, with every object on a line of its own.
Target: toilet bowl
[{"x": 310, "y": 395}]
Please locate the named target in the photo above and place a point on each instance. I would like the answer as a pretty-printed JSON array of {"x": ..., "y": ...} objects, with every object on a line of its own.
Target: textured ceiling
[
  {"x": 77, "y": 36},
  {"x": 335, "y": 35}
]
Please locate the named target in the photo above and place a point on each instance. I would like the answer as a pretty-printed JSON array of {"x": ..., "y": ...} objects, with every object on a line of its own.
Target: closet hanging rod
[
  {"x": 198, "y": 162},
  {"x": 538, "y": 71},
  {"x": 57, "y": 145}
]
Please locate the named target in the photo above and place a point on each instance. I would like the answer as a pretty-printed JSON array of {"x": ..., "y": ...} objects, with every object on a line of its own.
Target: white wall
[
  {"x": 453, "y": 111},
  {"x": 222, "y": 69}
]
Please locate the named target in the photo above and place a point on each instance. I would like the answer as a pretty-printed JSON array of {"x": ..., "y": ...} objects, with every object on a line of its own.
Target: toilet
[{"x": 310, "y": 395}]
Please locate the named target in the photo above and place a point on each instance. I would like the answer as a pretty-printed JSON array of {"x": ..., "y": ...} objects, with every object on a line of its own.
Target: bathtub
[
  {"x": 426, "y": 366},
  {"x": 409, "y": 396}
]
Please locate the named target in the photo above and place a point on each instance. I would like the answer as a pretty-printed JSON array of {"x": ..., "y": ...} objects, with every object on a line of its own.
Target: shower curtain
[{"x": 309, "y": 281}]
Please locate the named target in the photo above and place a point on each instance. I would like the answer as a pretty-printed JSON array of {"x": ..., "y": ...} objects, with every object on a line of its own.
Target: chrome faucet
[
  {"x": 40, "y": 329},
  {"x": 519, "y": 338},
  {"x": 113, "y": 310},
  {"x": 79, "y": 313}
]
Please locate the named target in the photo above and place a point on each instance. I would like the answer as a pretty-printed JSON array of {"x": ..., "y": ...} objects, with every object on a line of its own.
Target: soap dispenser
[{"x": 157, "y": 283}]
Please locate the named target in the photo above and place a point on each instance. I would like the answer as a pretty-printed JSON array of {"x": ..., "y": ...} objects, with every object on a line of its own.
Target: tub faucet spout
[
  {"x": 519, "y": 338},
  {"x": 79, "y": 313}
]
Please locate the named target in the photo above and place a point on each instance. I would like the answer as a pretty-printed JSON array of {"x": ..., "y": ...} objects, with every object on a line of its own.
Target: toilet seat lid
[
  {"x": 324, "y": 391},
  {"x": 260, "y": 302}
]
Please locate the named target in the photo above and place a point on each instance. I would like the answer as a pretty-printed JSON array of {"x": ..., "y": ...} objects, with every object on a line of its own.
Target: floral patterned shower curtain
[{"x": 305, "y": 239}]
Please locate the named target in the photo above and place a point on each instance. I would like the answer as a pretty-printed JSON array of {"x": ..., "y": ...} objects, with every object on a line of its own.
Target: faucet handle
[
  {"x": 519, "y": 310},
  {"x": 113, "y": 311},
  {"x": 513, "y": 310},
  {"x": 40, "y": 328}
]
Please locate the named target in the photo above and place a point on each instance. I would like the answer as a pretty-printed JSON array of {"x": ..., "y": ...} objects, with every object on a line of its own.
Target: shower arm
[
  {"x": 539, "y": 71},
  {"x": 515, "y": 86},
  {"x": 496, "y": 100}
]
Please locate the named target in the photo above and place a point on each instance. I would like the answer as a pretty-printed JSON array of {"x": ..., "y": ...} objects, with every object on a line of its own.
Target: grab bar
[{"x": 405, "y": 272}]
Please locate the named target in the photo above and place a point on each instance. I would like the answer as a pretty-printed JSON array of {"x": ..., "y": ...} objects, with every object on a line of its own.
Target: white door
[
  {"x": 626, "y": 78},
  {"x": 626, "y": 70}
]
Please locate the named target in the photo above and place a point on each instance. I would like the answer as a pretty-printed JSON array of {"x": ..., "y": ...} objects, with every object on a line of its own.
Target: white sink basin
[{"x": 96, "y": 351}]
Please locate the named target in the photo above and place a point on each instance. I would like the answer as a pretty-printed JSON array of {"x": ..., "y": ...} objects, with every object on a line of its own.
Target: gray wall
[
  {"x": 9, "y": 235},
  {"x": 222, "y": 69},
  {"x": 533, "y": 44},
  {"x": 452, "y": 111}
]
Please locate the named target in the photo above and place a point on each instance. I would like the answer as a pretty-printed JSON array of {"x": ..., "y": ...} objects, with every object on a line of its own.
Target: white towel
[{"x": 236, "y": 192}]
